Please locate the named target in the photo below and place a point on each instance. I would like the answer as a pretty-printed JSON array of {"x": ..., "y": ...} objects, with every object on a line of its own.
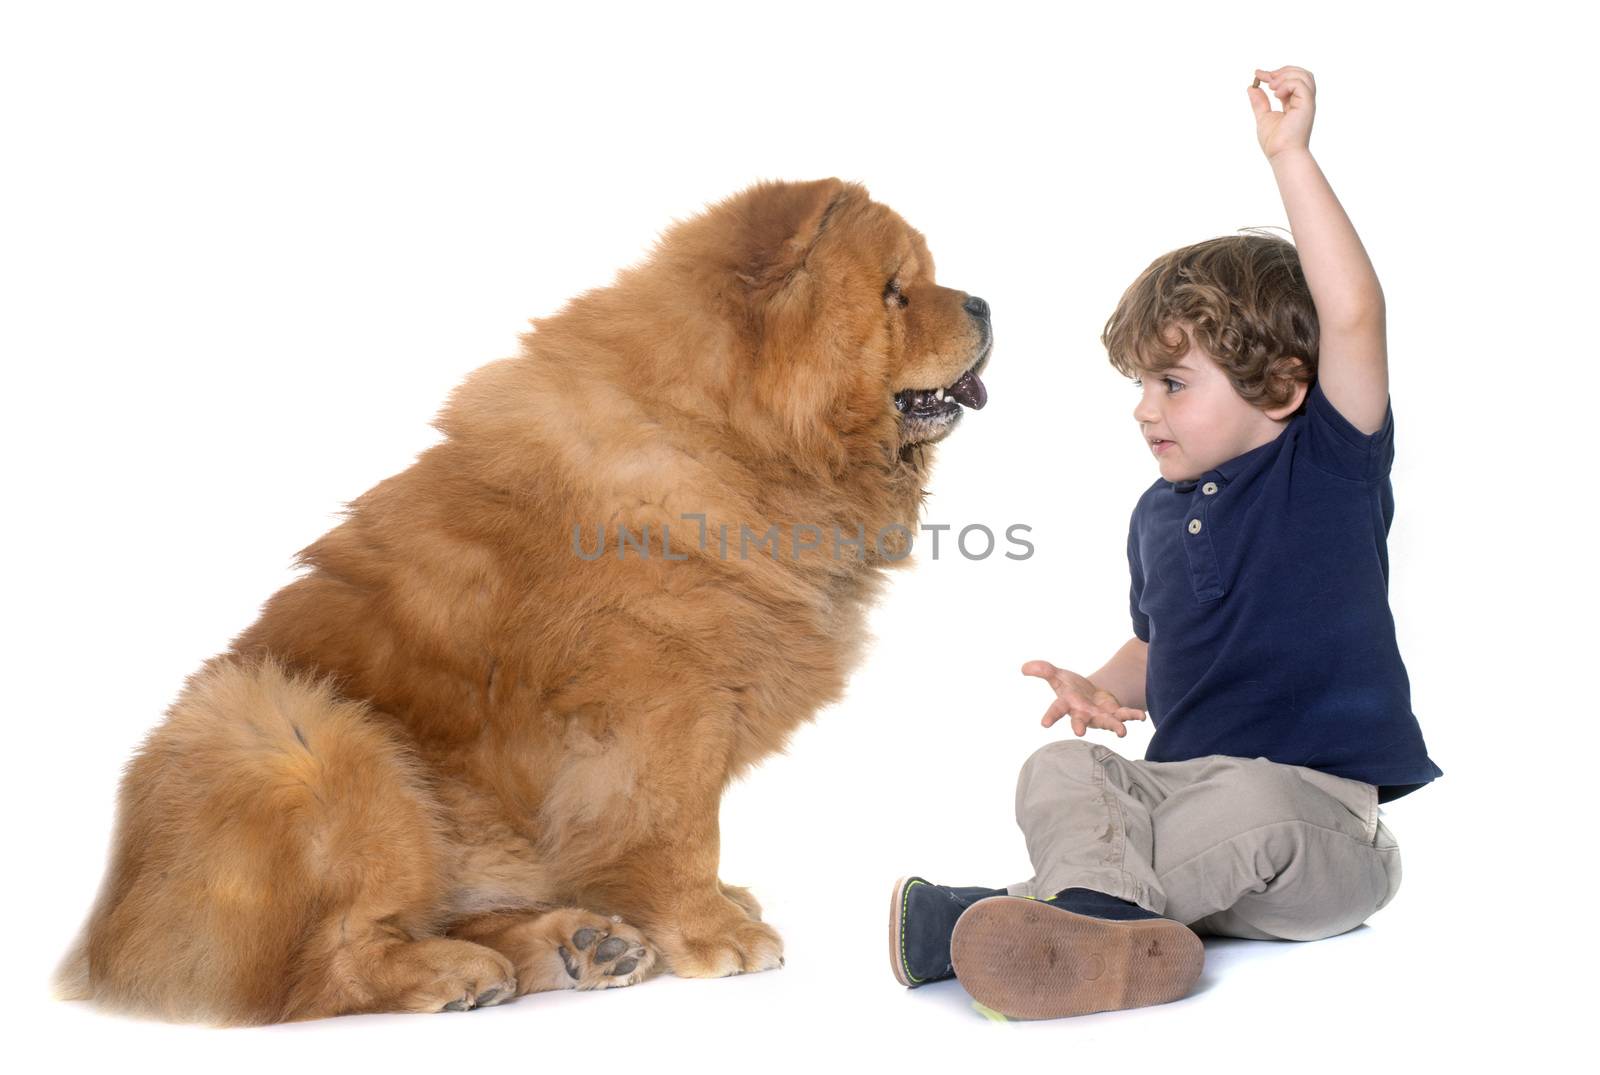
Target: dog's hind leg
[
  {"x": 278, "y": 855},
  {"x": 565, "y": 948}
]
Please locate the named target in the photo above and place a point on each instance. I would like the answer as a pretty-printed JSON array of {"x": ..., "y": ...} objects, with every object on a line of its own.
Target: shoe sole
[
  {"x": 1029, "y": 960},
  {"x": 897, "y": 919}
]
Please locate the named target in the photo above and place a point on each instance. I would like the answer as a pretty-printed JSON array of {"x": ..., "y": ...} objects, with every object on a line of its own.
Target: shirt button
[
  {"x": 1208, "y": 488},
  {"x": 1194, "y": 526}
]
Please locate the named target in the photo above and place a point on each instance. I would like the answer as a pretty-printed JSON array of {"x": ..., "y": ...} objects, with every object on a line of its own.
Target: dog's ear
[
  {"x": 780, "y": 224},
  {"x": 808, "y": 379}
]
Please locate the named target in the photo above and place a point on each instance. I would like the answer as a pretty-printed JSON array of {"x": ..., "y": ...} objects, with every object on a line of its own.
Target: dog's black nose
[{"x": 976, "y": 307}]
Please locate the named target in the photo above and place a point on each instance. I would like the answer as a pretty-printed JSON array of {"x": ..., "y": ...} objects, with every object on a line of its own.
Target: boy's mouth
[{"x": 1157, "y": 445}]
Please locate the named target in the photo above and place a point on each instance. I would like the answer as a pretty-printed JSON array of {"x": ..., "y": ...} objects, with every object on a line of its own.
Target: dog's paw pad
[{"x": 604, "y": 953}]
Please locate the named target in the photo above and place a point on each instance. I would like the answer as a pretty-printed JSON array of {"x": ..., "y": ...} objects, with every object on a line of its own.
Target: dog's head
[
  {"x": 791, "y": 331},
  {"x": 849, "y": 349}
]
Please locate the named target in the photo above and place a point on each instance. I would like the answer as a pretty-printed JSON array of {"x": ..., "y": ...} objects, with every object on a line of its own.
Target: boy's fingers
[
  {"x": 1258, "y": 101},
  {"x": 1295, "y": 93},
  {"x": 1112, "y": 724},
  {"x": 1278, "y": 74},
  {"x": 1092, "y": 718},
  {"x": 1291, "y": 88},
  {"x": 1064, "y": 706},
  {"x": 1047, "y": 672}
]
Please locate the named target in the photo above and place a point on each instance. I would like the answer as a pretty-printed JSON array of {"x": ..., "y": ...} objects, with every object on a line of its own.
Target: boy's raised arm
[{"x": 1352, "y": 362}]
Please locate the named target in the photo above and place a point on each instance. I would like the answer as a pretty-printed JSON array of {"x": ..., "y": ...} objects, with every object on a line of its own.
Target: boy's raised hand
[
  {"x": 1088, "y": 705},
  {"x": 1291, "y": 128}
]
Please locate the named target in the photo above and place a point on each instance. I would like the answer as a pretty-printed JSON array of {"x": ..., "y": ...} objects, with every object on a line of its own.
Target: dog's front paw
[
  {"x": 743, "y": 897},
  {"x": 601, "y": 953},
  {"x": 450, "y": 976},
  {"x": 716, "y": 945}
]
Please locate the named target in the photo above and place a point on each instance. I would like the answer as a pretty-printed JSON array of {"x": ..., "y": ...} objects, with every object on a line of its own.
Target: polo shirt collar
[{"x": 1224, "y": 473}]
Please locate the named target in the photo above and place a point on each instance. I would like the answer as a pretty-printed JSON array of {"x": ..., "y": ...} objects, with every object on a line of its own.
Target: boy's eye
[{"x": 1172, "y": 385}]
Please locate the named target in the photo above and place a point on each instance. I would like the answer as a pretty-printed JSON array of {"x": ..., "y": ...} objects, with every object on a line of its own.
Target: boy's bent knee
[
  {"x": 1056, "y": 752},
  {"x": 1053, "y": 769},
  {"x": 1291, "y": 880},
  {"x": 1070, "y": 759}
]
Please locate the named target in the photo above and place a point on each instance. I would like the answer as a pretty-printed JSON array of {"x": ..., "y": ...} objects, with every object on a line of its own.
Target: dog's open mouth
[
  {"x": 968, "y": 391},
  {"x": 927, "y": 412}
]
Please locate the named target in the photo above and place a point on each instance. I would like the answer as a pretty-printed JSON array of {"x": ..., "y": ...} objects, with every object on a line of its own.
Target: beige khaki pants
[{"x": 1236, "y": 847}]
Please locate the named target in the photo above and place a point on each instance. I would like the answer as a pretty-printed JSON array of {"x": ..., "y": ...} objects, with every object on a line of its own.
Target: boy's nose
[{"x": 1143, "y": 411}]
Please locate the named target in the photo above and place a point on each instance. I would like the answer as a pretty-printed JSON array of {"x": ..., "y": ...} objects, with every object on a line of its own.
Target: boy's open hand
[
  {"x": 1290, "y": 129},
  {"x": 1088, "y": 705}
]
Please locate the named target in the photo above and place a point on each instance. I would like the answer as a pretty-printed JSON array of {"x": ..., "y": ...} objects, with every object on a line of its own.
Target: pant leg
[
  {"x": 1085, "y": 812},
  {"x": 1257, "y": 849}
]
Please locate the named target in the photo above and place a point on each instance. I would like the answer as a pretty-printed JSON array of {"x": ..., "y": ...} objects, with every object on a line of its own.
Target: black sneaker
[
  {"x": 1079, "y": 952},
  {"x": 921, "y": 916}
]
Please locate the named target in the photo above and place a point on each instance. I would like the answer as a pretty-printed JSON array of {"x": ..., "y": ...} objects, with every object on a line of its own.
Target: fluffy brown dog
[{"x": 516, "y": 679}]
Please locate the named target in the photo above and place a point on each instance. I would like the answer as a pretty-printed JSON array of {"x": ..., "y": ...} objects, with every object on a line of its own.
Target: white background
[{"x": 246, "y": 253}]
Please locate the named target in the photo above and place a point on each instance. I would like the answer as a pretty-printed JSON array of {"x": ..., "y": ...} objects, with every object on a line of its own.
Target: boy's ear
[{"x": 1289, "y": 370}]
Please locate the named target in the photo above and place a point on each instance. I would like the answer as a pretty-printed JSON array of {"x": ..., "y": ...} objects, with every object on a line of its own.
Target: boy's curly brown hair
[{"x": 1243, "y": 298}]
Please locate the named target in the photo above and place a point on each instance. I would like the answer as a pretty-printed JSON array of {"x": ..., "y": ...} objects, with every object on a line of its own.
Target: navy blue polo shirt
[{"x": 1262, "y": 588}]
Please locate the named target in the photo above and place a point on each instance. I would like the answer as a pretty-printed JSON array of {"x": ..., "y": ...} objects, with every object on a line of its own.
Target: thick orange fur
[{"x": 450, "y": 752}]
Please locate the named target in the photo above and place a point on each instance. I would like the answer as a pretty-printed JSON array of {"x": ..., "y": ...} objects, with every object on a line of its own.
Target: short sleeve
[
  {"x": 1141, "y": 622},
  {"x": 1339, "y": 448}
]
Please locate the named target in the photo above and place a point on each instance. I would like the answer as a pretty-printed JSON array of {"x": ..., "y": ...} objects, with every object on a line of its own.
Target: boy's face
[{"x": 1193, "y": 419}]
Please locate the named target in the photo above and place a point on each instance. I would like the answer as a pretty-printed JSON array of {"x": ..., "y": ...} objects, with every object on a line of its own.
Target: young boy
[{"x": 1263, "y": 644}]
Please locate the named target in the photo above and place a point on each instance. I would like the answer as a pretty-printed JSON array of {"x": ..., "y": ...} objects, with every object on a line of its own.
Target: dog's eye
[{"x": 892, "y": 293}]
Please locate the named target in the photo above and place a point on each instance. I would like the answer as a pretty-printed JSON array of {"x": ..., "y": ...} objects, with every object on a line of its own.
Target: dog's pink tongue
[{"x": 969, "y": 391}]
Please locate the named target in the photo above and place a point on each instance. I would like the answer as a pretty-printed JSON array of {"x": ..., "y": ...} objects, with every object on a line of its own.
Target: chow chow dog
[{"x": 476, "y": 748}]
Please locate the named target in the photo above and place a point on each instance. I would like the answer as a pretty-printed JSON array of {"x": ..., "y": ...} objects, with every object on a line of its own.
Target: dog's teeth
[{"x": 939, "y": 394}]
